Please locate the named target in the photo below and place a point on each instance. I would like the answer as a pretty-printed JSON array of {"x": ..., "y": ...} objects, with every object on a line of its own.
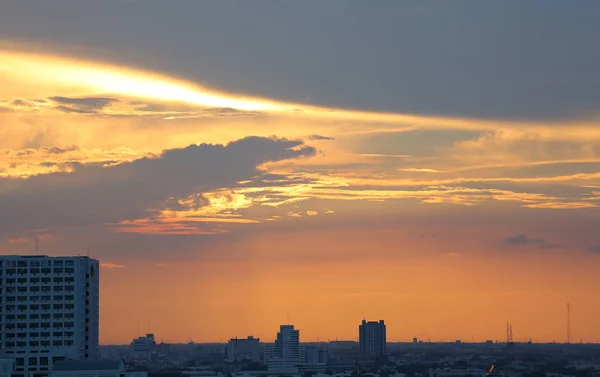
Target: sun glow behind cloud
[{"x": 69, "y": 76}]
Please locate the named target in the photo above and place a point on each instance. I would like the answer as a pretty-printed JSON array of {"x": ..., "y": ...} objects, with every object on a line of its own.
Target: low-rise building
[
  {"x": 243, "y": 349},
  {"x": 93, "y": 368}
]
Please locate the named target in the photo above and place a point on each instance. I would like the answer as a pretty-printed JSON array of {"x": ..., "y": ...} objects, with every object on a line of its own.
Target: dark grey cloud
[
  {"x": 89, "y": 103},
  {"x": 594, "y": 249},
  {"x": 526, "y": 240},
  {"x": 94, "y": 194},
  {"x": 320, "y": 137},
  {"x": 82, "y": 105}
]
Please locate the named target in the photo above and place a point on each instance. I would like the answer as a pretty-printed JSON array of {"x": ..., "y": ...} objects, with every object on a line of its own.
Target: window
[
  {"x": 43, "y": 361},
  {"x": 69, "y": 270},
  {"x": 58, "y": 298},
  {"x": 33, "y": 361},
  {"x": 57, "y": 343},
  {"x": 34, "y": 343},
  {"x": 58, "y": 280},
  {"x": 58, "y": 270},
  {"x": 34, "y": 316},
  {"x": 58, "y": 334},
  {"x": 20, "y": 361}
]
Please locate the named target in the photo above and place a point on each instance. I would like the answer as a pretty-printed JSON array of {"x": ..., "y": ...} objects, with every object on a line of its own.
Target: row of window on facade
[
  {"x": 45, "y": 334},
  {"x": 37, "y": 317},
  {"x": 20, "y": 361},
  {"x": 38, "y": 325},
  {"x": 37, "y": 271},
  {"x": 35, "y": 307},
  {"x": 44, "y": 280},
  {"x": 38, "y": 263},
  {"x": 36, "y": 344},
  {"x": 16, "y": 297}
]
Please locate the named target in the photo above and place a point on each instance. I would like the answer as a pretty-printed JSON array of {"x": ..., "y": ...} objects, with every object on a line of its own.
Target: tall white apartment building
[
  {"x": 284, "y": 355},
  {"x": 49, "y": 308}
]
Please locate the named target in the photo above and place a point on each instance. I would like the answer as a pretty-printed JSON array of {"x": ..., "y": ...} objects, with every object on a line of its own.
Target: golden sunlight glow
[{"x": 78, "y": 77}]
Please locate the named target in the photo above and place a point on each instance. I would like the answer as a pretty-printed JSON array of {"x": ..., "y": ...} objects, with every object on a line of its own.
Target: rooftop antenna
[
  {"x": 568, "y": 323},
  {"x": 37, "y": 245}
]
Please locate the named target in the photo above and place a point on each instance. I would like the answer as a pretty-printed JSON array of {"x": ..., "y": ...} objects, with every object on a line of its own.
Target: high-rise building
[
  {"x": 285, "y": 354},
  {"x": 48, "y": 311},
  {"x": 243, "y": 349},
  {"x": 372, "y": 337}
]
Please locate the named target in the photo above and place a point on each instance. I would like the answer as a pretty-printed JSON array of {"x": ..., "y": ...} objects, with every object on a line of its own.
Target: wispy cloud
[
  {"x": 111, "y": 265},
  {"x": 526, "y": 240}
]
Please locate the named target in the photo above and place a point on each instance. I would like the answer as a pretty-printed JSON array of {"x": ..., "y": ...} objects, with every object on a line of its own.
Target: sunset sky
[{"x": 432, "y": 164}]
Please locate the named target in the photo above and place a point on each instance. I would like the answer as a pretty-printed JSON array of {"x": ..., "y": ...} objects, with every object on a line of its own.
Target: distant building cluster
[{"x": 49, "y": 322}]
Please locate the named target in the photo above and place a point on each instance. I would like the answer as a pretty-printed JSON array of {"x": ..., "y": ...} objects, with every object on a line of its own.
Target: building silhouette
[
  {"x": 284, "y": 355},
  {"x": 372, "y": 338},
  {"x": 243, "y": 349},
  {"x": 143, "y": 347},
  {"x": 49, "y": 311}
]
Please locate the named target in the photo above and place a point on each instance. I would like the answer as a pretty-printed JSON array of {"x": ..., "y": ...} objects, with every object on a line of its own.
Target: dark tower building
[{"x": 372, "y": 338}]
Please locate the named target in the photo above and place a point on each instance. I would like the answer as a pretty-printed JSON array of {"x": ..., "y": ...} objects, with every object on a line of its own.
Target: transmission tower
[
  {"x": 509, "y": 333},
  {"x": 568, "y": 323}
]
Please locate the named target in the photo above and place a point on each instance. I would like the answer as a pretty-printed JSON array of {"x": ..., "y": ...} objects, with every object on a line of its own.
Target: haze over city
[{"x": 237, "y": 165}]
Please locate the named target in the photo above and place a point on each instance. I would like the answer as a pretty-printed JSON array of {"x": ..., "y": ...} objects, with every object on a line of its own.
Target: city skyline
[{"x": 229, "y": 162}]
